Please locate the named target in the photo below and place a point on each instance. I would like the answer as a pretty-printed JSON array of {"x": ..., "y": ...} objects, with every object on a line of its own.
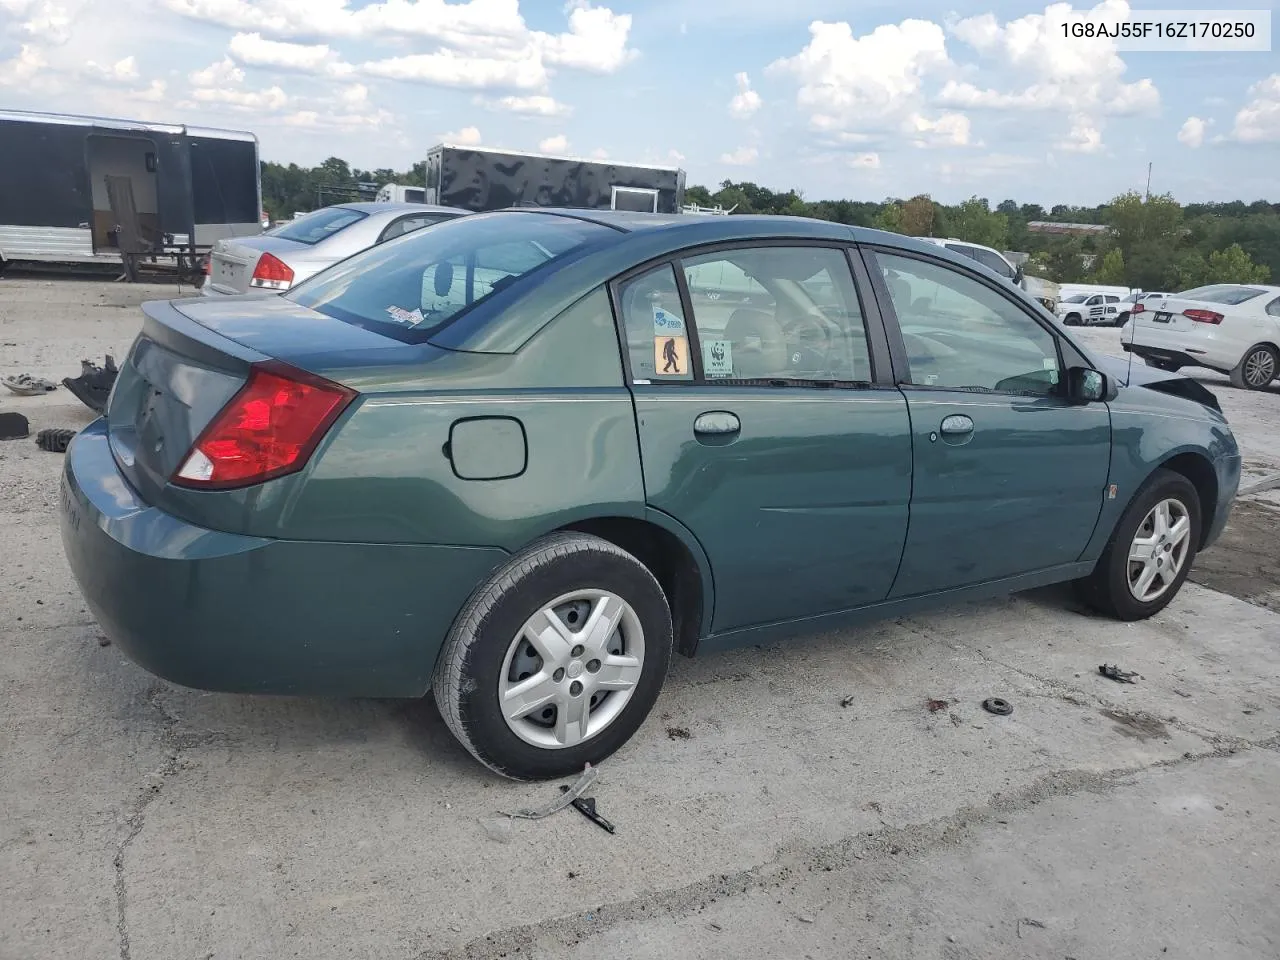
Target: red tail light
[
  {"x": 1138, "y": 308},
  {"x": 271, "y": 273},
  {"x": 1202, "y": 316},
  {"x": 269, "y": 428}
]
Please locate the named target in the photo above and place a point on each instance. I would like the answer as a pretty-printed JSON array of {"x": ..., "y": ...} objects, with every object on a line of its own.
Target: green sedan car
[{"x": 519, "y": 459}]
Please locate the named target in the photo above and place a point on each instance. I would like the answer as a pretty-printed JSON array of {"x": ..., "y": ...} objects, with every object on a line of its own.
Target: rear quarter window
[{"x": 413, "y": 286}]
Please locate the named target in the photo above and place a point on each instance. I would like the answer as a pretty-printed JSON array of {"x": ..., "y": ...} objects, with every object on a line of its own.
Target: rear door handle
[
  {"x": 717, "y": 422},
  {"x": 956, "y": 425}
]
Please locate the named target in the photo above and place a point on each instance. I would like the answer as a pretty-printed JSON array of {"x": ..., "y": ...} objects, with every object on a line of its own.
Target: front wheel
[
  {"x": 1071, "y": 320},
  {"x": 1257, "y": 368},
  {"x": 1150, "y": 552},
  {"x": 557, "y": 659}
]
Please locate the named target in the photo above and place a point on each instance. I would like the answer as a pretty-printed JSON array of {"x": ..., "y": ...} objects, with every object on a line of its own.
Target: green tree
[
  {"x": 1233, "y": 265},
  {"x": 890, "y": 218},
  {"x": 920, "y": 216},
  {"x": 1111, "y": 270},
  {"x": 1136, "y": 220},
  {"x": 974, "y": 221}
]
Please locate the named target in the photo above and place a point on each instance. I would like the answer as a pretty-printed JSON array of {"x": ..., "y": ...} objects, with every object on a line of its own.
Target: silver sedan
[{"x": 297, "y": 250}]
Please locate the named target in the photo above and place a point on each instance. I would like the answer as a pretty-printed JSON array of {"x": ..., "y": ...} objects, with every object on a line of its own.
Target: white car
[
  {"x": 1083, "y": 309},
  {"x": 1229, "y": 327}
]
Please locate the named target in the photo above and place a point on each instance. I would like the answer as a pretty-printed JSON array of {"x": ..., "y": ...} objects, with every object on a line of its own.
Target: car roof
[{"x": 373, "y": 206}]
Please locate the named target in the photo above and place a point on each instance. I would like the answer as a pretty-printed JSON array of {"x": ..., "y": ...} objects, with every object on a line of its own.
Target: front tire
[
  {"x": 1071, "y": 320},
  {"x": 1256, "y": 369},
  {"x": 557, "y": 659},
  {"x": 1150, "y": 551}
]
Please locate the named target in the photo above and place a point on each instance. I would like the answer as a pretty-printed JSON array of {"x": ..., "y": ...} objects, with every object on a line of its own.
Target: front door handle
[
  {"x": 717, "y": 422},
  {"x": 956, "y": 425}
]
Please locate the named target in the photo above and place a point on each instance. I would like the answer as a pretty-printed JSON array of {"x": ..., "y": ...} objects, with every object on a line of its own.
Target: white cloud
[
  {"x": 154, "y": 92},
  {"x": 742, "y": 157},
  {"x": 1083, "y": 137},
  {"x": 1038, "y": 69},
  {"x": 345, "y": 122},
  {"x": 850, "y": 83},
  {"x": 865, "y": 161},
  {"x": 1258, "y": 121},
  {"x": 356, "y": 95},
  {"x": 122, "y": 71},
  {"x": 536, "y": 105},
  {"x": 599, "y": 153},
  {"x": 448, "y": 69},
  {"x": 1192, "y": 132},
  {"x": 746, "y": 101},
  {"x": 948, "y": 130},
  {"x": 466, "y": 137},
  {"x": 217, "y": 74},
  {"x": 28, "y": 62},
  {"x": 481, "y": 43},
  {"x": 270, "y": 100},
  {"x": 47, "y": 21},
  {"x": 675, "y": 156},
  {"x": 557, "y": 144},
  {"x": 252, "y": 50}
]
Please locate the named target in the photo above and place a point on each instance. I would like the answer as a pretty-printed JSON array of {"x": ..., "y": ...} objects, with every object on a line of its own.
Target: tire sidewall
[
  {"x": 1164, "y": 485},
  {"x": 486, "y": 649},
  {"x": 1275, "y": 363}
]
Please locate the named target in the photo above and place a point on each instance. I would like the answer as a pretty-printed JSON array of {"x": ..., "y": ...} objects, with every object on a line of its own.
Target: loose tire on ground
[
  {"x": 1257, "y": 368},
  {"x": 1108, "y": 589},
  {"x": 484, "y": 648}
]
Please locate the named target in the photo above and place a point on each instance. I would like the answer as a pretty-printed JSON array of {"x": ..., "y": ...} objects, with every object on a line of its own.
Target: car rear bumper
[
  {"x": 1201, "y": 347},
  {"x": 220, "y": 611}
]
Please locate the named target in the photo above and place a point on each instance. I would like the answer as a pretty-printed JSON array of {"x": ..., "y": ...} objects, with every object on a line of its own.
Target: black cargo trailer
[
  {"x": 477, "y": 178},
  {"x": 89, "y": 190}
]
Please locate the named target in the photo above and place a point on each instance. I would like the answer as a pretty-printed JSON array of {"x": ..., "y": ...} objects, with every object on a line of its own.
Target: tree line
[{"x": 1151, "y": 242}]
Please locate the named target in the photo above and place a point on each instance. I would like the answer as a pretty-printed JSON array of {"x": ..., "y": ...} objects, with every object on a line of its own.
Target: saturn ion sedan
[
  {"x": 299, "y": 249},
  {"x": 518, "y": 459}
]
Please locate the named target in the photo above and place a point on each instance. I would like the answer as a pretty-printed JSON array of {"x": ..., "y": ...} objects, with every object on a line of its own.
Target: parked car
[
  {"x": 1229, "y": 327},
  {"x": 1089, "y": 310},
  {"x": 523, "y": 494},
  {"x": 300, "y": 248},
  {"x": 1046, "y": 292}
]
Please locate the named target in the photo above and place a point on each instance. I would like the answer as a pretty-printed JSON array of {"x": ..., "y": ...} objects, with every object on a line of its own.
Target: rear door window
[
  {"x": 398, "y": 228},
  {"x": 993, "y": 260}
]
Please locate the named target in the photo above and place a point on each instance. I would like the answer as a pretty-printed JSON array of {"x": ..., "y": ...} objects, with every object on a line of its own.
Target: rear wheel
[
  {"x": 557, "y": 660},
  {"x": 1150, "y": 552},
  {"x": 1257, "y": 368},
  {"x": 1122, "y": 319}
]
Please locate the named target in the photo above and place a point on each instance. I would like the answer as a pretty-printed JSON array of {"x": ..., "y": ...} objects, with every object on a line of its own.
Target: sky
[{"x": 860, "y": 99}]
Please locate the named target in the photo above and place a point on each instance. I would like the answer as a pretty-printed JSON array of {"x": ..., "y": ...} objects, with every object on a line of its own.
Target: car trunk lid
[{"x": 232, "y": 261}]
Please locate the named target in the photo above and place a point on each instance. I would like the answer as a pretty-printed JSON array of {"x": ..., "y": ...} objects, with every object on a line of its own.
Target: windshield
[
  {"x": 317, "y": 226},
  {"x": 411, "y": 287},
  {"x": 1078, "y": 298},
  {"x": 1228, "y": 293}
]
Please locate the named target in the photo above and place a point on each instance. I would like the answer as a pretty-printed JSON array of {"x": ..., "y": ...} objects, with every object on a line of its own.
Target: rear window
[
  {"x": 412, "y": 287},
  {"x": 1228, "y": 293},
  {"x": 317, "y": 226}
]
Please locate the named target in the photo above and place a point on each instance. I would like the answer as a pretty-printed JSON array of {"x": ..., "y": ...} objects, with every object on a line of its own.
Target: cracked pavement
[{"x": 149, "y": 822}]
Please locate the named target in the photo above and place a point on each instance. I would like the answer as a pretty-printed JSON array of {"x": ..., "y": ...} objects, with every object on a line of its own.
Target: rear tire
[
  {"x": 1116, "y": 586},
  {"x": 503, "y": 697},
  {"x": 1256, "y": 369},
  {"x": 1122, "y": 319}
]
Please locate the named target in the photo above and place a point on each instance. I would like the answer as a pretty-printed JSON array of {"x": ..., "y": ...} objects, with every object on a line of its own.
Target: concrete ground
[{"x": 798, "y": 800}]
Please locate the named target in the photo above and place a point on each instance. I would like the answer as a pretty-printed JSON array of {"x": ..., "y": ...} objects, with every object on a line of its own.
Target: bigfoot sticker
[{"x": 671, "y": 356}]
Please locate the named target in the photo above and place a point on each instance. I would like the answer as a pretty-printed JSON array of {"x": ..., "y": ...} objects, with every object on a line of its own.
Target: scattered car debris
[
  {"x": 936, "y": 705},
  {"x": 847, "y": 702},
  {"x": 587, "y": 807},
  {"x": 566, "y": 797},
  {"x": 804, "y": 918},
  {"x": 25, "y": 385},
  {"x": 1027, "y": 921},
  {"x": 104, "y": 640},
  {"x": 497, "y": 828},
  {"x": 55, "y": 440},
  {"x": 679, "y": 733},
  {"x": 1001, "y": 708},
  {"x": 14, "y": 426},
  {"x": 956, "y": 719},
  {"x": 94, "y": 384},
  {"x": 1113, "y": 672}
]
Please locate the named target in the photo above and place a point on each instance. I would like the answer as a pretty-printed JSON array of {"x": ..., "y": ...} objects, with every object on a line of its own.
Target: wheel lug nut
[
  {"x": 558, "y": 675},
  {"x": 593, "y": 666},
  {"x": 577, "y": 651},
  {"x": 575, "y": 688}
]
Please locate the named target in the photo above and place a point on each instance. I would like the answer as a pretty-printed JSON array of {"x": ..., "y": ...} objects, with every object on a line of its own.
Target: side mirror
[
  {"x": 1086, "y": 385},
  {"x": 1018, "y": 274}
]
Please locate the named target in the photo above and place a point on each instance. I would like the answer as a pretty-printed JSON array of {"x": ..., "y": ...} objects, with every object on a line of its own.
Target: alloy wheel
[{"x": 1159, "y": 550}]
